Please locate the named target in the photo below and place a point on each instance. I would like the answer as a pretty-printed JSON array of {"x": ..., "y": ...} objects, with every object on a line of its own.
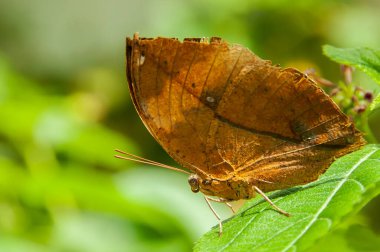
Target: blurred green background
[{"x": 65, "y": 107}]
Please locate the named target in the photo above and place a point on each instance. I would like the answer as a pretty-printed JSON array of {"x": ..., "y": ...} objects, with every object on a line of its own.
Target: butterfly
[{"x": 239, "y": 125}]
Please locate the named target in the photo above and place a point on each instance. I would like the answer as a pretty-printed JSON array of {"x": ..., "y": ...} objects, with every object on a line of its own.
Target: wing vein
[
  {"x": 170, "y": 88},
  {"x": 156, "y": 84},
  {"x": 227, "y": 83}
]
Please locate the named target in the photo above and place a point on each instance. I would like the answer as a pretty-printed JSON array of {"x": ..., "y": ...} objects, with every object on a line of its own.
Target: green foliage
[
  {"x": 368, "y": 61},
  {"x": 354, "y": 238},
  {"x": 376, "y": 103},
  {"x": 58, "y": 179},
  {"x": 66, "y": 107},
  {"x": 365, "y": 59},
  {"x": 315, "y": 209}
]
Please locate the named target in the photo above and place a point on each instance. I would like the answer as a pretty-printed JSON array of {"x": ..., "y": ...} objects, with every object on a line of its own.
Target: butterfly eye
[{"x": 194, "y": 183}]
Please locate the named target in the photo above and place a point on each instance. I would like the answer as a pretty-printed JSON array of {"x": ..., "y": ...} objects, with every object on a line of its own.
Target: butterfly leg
[
  {"x": 221, "y": 200},
  {"x": 270, "y": 202},
  {"x": 216, "y": 215},
  {"x": 230, "y": 206}
]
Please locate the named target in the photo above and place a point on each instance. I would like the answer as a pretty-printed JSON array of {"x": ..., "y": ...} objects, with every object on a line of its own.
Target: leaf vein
[{"x": 281, "y": 231}]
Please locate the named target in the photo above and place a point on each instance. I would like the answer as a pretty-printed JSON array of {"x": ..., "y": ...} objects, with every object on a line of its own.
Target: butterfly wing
[{"x": 218, "y": 110}]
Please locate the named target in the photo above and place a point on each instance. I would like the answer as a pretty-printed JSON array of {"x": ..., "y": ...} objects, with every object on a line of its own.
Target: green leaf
[
  {"x": 361, "y": 238},
  {"x": 351, "y": 239},
  {"x": 315, "y": 209},
  {"x": 375, "y": 103},
  {"x": 365, "y": 59}
]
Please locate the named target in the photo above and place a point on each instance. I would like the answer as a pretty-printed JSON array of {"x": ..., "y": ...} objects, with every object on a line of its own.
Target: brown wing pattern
[{"x": 219, "y": 109}]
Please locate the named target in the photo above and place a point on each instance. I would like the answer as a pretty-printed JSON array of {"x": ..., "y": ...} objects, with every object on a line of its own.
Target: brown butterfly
[{"x": 241, "y": 125}]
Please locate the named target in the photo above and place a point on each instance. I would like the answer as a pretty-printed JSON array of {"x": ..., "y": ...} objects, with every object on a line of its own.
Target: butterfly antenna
[
  {"x": 198, "y": 169},
  {"x": 131, "y": 157}
]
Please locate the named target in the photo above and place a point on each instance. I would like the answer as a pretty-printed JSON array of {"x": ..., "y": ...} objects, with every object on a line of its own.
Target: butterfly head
[
  {"x": 194, "y": 182},
  {"x": 197, "y": 183}
]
